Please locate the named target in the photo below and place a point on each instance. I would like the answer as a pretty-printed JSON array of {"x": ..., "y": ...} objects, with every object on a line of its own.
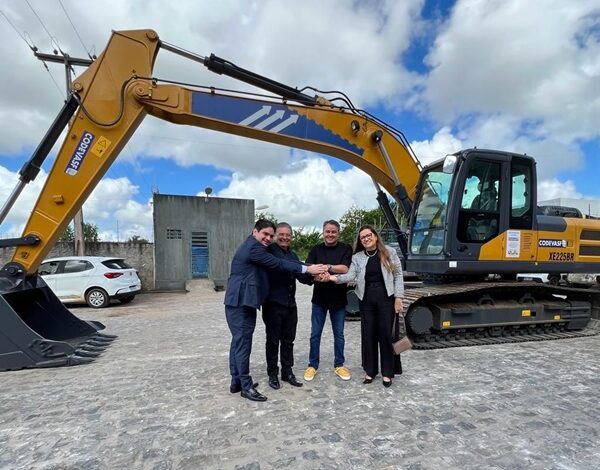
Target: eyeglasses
[{"x": 367, "y": 236}]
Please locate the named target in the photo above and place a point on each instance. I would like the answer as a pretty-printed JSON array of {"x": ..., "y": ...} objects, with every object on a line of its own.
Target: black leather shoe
[
  {"x": 238, "y": 388},
  {"x": 368, "y": 380},
  {"x": 387, "y": 384},
  {"x": 291, "y": 379},
  {"x": 253, "y": 395},
  {"x": 274, "y": 382}
]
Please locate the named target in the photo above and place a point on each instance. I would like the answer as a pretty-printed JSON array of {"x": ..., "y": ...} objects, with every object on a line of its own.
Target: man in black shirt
[
  {"x": 329, "y": 297},
  {"x": 280, "y": 313}
]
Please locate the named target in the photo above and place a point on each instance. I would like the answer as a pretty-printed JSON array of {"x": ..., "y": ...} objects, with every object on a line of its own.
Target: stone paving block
[{"x": 158, "y": 398}]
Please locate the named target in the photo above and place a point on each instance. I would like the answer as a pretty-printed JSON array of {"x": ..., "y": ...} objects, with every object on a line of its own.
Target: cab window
[{"x": 480, "y": 204}]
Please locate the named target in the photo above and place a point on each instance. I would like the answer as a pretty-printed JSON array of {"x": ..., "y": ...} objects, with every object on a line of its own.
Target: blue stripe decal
[{"x": 270, "y": 117}]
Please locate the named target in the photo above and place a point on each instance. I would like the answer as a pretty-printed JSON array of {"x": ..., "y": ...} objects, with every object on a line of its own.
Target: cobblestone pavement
[{"x": 158, "y": 399}]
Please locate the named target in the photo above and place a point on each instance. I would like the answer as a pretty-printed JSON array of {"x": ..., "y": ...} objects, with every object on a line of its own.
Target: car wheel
[
  {"x": 126, "y": 300},
  {"x": 553, "y": 279},
  {"x": 97, "y": 298}
]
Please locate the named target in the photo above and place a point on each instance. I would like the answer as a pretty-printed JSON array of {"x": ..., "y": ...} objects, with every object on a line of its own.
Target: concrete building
[
  {"x": 588, "y": 207},
  {"x": 197, "y": 237}
]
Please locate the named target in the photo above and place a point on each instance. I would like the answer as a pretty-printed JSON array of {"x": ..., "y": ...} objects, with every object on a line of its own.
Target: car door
[
  {"x": 73, "y": 279},
  {"x": 48, "y": 271}
]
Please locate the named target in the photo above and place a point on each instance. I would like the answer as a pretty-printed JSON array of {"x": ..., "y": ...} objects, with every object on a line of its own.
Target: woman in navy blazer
[{"x": 247, "y": 289}]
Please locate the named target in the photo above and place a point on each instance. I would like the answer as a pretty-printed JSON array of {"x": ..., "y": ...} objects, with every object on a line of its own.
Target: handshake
[
  {"x": 320, "y": 272},
  {"x": 317, "y": 269}
]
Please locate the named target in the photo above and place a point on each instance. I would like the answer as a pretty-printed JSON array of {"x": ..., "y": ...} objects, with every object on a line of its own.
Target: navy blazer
[{"x": 248, "y": 284}]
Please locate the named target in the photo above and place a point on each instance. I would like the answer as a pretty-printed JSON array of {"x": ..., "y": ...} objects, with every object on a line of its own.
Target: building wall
[
  {"x": 226, "y": 221},
  {"x": 139, "y": 256}
]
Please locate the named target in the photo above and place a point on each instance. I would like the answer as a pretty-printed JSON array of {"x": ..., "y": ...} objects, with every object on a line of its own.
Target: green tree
[
  {"x": 90, "y": 233},
  {"x": 137, "y": 239},
  {"x": 67, "y": 235},
  {"x": 355, "y": 217},
  {"x": 303, "y": 241},
  {"x": 265, "y": 215}
]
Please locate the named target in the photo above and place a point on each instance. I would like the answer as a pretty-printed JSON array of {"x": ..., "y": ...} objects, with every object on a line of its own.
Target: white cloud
[
  {"x": 266, "y": 38},
  {"x": 554, "y": 189},
  {"x": 109, "y": 204},
  {"x": 504, "y": 74},
  {"x": 442, "y": 144},
  {"x": 311, "y": 194},
  {"x": 538, "y": 61}
]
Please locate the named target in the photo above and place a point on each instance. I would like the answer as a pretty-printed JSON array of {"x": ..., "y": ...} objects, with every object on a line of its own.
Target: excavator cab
[{"x": 463, "y": 213}]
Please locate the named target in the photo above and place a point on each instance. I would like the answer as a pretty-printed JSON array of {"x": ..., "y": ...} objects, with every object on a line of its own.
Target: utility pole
[{"x": 68, "y": 62}]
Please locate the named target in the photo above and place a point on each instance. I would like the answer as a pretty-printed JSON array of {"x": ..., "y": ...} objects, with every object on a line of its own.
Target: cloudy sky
[{"x": 506, "y": 74}]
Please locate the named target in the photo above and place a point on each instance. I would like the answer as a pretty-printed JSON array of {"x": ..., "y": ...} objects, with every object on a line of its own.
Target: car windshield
[{"x": 116, "y": 264}]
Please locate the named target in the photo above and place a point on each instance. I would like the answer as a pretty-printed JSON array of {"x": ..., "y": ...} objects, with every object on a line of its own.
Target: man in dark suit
[
  {"x": 280, "y": 312},
  {"x": 247, "y": 289}
]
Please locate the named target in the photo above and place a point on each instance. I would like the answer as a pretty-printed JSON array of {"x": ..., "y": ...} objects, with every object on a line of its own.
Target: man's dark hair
[
  {"x": 284, "y": 224},
  {"x": 263, "y": 223},
  {"x": 332, "y": 222}
]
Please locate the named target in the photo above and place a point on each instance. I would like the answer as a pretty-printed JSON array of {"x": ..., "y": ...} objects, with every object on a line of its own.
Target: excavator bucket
[{"x": 36, "y": 330}]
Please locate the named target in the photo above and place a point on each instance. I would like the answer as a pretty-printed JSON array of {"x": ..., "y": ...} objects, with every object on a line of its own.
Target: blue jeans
[{"x": 318, "y": 317}]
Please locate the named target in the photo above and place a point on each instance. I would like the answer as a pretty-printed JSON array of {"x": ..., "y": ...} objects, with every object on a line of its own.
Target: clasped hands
[
  {"x": 317, "y": 269},
  {"x": 324, "y": 277}
]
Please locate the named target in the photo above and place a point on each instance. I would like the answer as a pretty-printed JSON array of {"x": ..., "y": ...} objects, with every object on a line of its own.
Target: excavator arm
[
  {"x": 114, "y": 98},
  {"x": 109, "y": 101}
]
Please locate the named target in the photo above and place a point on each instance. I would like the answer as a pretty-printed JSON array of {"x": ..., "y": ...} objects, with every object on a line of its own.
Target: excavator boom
[{"x": 114, "y": 95}]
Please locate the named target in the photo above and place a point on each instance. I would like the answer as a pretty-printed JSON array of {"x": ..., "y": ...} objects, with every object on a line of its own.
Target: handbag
[{"x": 401, "y": 343}]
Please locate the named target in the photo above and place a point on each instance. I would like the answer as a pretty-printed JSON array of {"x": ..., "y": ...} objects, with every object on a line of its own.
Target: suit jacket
[
  {"x": 394, "y": 282},
  {"x": 248, "y": 284}
]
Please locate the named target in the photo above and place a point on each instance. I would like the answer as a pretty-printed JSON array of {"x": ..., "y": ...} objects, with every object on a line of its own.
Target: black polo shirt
[{"x": 327, "y": 294}]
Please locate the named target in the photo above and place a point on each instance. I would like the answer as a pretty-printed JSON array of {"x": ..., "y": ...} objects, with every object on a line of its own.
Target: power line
[
  {"x": 42, "y": 23},
  {"x": 16, "y": 30},
  {"x": 75, "y": 29},
  {"x": 62, "y": 95},
  {"x": 34, "y": 49}
]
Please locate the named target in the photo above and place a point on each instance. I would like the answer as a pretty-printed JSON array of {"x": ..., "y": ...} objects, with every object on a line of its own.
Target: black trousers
[
  {"x": 280, "y": 324},
  {"x": 376, "y": 321}
]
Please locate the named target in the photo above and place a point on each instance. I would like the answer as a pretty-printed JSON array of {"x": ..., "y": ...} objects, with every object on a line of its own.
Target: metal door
[{"x": 199, "y": 254}]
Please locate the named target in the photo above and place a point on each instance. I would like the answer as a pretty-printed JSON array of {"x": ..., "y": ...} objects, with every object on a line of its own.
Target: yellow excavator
[{"x": 472, "y": 214}]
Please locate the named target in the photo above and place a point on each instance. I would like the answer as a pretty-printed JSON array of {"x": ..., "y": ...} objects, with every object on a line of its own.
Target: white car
[
  {"x": 583, "y": 279},
  {"x": 95, "y": 280},
  {"x": 545, "y": 278}
]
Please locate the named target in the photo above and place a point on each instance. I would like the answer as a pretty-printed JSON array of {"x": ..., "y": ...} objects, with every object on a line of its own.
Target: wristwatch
[{"x": 328, "y": 268}]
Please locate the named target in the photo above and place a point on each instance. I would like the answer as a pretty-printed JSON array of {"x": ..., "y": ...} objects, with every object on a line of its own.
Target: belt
[{"x": 374, "y": 284}]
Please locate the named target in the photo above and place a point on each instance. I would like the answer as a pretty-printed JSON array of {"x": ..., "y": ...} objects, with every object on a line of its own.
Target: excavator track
[{"x": 575, "y": 307}]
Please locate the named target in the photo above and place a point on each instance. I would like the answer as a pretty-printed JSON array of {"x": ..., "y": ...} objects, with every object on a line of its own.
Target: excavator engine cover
[{"x": 36, "y": 330}]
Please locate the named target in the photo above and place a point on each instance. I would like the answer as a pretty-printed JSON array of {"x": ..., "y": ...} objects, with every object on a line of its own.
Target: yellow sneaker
[
  {"x": 310, "y": 373},
  {"x": 343, "y": 373}
]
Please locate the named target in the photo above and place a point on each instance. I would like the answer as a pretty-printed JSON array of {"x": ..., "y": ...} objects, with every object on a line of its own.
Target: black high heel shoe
[
  {"x": 387, "y": 384},
  {"x": 368, "y": 380}
]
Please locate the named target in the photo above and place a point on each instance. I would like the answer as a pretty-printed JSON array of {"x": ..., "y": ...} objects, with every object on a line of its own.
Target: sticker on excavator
[
  {"x": 101, "y": 146},
  {"x": 80, "y": 152}
]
